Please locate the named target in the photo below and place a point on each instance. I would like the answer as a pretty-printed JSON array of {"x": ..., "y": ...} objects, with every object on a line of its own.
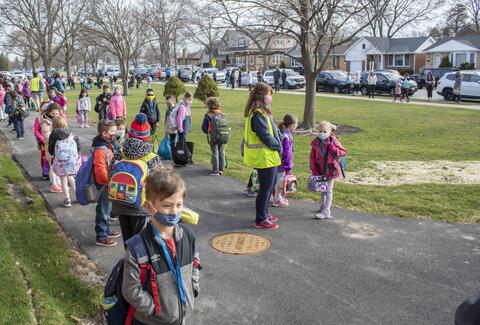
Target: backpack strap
[{"x": 139, "y": 250}]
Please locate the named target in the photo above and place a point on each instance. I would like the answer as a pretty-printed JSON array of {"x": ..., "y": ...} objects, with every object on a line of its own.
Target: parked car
[
  {"x": 17, "y": 74},
  {"x": 391, "y": 71},
  {"x": 246, "y": 78},
  {"x": 219, "y": 74},
  {"x": 332, "y": 80},
  {"x": 385, "y": 83},
  {"x": 470, "y": 88},
  {"x": 140, "y": 71},
  {"x": 294, "y": 80},
  {"x": 437, "y": 73},
  {"x": 5, "y": 74},
  {"x": 185, "y": 74},
  {"x": 113, "y": 71}
]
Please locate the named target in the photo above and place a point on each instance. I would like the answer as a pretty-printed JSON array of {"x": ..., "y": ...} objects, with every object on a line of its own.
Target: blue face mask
[
  {"x": 168, "y": 220},
  {"x": 323, "y": 136}
]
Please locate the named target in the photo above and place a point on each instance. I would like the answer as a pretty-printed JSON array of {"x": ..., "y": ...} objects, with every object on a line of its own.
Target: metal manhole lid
[{"x": 240, "y": 243}]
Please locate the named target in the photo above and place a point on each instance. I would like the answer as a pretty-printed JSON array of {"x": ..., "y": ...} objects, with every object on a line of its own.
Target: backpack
[
  {"x": 85, "y": 188},
  {"x": 21, "y": 112},
  {"x": 172, "y": 121},
  {"x": 66, "y": 160},
  {"x": 116, "y": 309},
  {"x": 127, "y": 182},
  {"x": 219, "y": 129},
  {"x": 182, "y": 152}
]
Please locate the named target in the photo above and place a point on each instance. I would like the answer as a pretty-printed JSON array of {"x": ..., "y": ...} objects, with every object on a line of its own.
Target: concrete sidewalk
[{"x": 354, "y": 269}]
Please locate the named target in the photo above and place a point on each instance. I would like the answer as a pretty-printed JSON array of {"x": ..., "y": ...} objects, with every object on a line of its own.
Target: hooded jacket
[
  {"x": 118, "y": 107},
  {"x": 60, "y": 134},
  {"x": 151, "y": 110},
  {"x": 136, "y": 149},
  {"x": 318, "y": 154},
  {"x": 171, "y": 310},
  {"x": 287, "y": 152},
  {"x": 101, "y": 165}
]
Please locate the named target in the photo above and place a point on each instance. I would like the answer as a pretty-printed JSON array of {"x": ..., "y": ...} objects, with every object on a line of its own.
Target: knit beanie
[{"x": 139, "y": 129}]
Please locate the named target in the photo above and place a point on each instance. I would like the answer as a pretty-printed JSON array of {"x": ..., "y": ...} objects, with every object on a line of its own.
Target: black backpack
[{"x": 181, "y": 153}]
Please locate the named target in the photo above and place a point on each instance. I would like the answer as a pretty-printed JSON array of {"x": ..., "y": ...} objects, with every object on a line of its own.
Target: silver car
[
  {"x": 294, "y": 80},
  {"x": 246, "y": 78}
]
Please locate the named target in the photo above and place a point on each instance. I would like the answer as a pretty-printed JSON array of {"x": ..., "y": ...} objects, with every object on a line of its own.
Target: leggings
[
  {"x": 279, "y": 186},
  {"x": 65, "y": 181},
  {"x": 429, "y": 90},
  {"x": 326, "y": 198},
  {"x": 267, "y": 178}
]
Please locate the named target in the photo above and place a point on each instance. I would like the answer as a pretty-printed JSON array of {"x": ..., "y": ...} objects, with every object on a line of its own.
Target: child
[
  {"x": 102, "y": 158},
  {"x": 218, "y": 148},
  {"x": 41, "y": 146},
  {"x": 136, "y": 147},
  {"x": 26, "y": 94},
  {"x": 46, "y": 120},
  {"x": 61, "y": 100},
  {"x": 9, "y": 102},
  {"x": 170, "y": 100},
  {"x": 286, "y": 127},
  {"x": 65, "y": 149},
  {"x": 150, "y": 109},
  {"x": 398, "y": 91},
  {"x": 83, "y": 107},
  {"x": 184, "y": 120},
  {"x": 119, "y": 138},
  {"x": 167, "y": 240},
  {"x": 326, "y": 146},
  {"x": 19, "y": 115},
  {"x": 102, "y": 101},
  {"x": 118, "y": 107},
  {"x": 3, "y": 116}
]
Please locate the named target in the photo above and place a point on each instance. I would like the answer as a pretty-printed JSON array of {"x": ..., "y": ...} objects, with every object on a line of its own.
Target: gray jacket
[{"x": 171, "y": 311}]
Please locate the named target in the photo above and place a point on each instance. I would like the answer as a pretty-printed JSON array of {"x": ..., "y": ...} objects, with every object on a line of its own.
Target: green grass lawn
[
  {"x": 400, "y": 132},
  {"x": 35, "y": 260}
]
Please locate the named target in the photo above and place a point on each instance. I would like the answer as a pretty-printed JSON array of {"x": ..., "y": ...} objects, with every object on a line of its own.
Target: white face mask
[
  {"x": 323, "y": 136},
  {"x": 121, "y": 134}
]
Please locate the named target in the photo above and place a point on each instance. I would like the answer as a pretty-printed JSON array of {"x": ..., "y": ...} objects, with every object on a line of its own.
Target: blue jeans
[
  {"x": 103, "y": 209},
  {"x": 18, "y": 124},
  {"x": 267, "y": 178}
]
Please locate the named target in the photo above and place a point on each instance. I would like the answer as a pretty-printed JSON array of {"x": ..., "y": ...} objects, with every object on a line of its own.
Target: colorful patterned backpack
[{"x": 127, "y": 182}]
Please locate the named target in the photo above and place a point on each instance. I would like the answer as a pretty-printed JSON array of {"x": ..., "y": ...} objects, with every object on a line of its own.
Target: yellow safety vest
[
  {"x": 35, "y": 84},
  {"x": 256, "y": 154}
]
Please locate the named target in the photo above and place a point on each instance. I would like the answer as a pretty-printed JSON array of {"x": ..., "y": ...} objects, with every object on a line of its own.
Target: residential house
[
  {"x": 460, "y": 50},
  {"x": 469, "y": 30},
  {"x": 238, "y": 49},
  {"x": 187, "y": 58},
  {"x": 336, "y": 60},
  {"x": 403, "y": 54}
]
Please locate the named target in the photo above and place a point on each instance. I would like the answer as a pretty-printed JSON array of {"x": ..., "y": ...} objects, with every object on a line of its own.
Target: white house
[
  {"x": 405, "y": 54},
  {"x": 460, "y": 50}
]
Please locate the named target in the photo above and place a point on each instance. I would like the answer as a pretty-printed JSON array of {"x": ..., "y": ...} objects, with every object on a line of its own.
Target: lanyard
[{"x": 177, "y": 275}]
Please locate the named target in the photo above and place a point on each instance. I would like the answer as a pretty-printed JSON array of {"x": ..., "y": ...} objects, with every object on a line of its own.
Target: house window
[
  {"x": 276, "y": 59},
  {"x": 460, "y": 58},
  {"x": 293, "y": 62},
  {"x": 363, "y": 46},
  {"x": 334, "y": 62},
  {"x": 399, "y": 60},
  {"x": 251, "y": 59}
]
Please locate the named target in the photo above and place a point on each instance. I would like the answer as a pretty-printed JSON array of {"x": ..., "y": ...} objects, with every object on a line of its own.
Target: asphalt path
[{"x": 357, "y": 268}]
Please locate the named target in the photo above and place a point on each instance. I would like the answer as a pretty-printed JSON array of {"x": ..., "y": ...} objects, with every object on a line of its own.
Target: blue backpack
[
  {"x": 127, "y": 182},
  {"x": 85, "y": 188},
  {"x": 116, "y": 309}
]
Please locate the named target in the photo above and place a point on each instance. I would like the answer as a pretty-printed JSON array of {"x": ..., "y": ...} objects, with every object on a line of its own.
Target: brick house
[
  {"x": 464, "y": 49},
  {"x": 403, "y": 54}
]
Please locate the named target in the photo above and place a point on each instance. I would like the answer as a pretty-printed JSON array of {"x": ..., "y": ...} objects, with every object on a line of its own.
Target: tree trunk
[
  {"x": 68, "y": 63},
  {"x": 310, "y": 101},
  {"x": 124, "y": 74}
]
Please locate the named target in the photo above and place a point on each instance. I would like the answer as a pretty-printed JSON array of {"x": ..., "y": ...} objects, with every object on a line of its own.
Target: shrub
[
  {"x": 445, "y": 62},
  {"x": 174, "y": 87},
  {"x": 467, "y": 66},
  {"x": 206, "y": 88},
  {"x": 282, "y": 65}
]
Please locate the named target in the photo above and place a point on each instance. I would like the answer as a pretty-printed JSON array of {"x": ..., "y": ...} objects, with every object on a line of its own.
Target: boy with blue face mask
[{"x": 176, "y": 264}]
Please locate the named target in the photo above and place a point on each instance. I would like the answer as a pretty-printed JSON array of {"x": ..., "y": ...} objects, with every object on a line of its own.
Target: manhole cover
[{"x": 240, "y": 243}]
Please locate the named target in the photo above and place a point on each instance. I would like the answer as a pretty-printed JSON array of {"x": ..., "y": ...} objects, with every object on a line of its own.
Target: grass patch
[
  {"x": 396, "y": 132},
  {"x": 35, "y": 259}
]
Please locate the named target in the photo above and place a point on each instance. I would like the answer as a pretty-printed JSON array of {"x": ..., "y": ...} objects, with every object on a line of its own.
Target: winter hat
[
  {"x": 139, "y": 129},
  {"x": 134, "y": 148}
]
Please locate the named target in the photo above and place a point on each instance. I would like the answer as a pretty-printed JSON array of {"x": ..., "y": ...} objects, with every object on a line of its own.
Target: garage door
[{"x": 355, "y": 66}]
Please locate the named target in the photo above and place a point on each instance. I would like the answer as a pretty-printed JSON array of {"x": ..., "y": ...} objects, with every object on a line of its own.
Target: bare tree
[
  {"x": 118, "y": 27},
  {"x": 19, "y": 43},
  {"x": 390, "y": 17},
  {"x": 205, "y": 27},
  {"x": 39, "y": 19},
  {"x": 473, "y": 7},
  {"x": 72, "y": 16},
  {"x": 316, "y": 25}
]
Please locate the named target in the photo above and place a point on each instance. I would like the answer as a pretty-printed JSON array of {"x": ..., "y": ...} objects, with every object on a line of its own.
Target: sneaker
[
  {"x": 45, "y": 178},
  {"x": 221, "y": 172},
  {"x": 250, "y": 193},
  {"x": 213, "y": 173},
  {"x": 272, "y": 219},
  {"x": 56, "y": 189},
  {"x": 114, "y": 234},
  {"x": 113, "y": 218},
  {"x": 280, "y": 203},
  {"x": 87, "y": 126},
  {"x": 106, "y": 242},
  {"x": 66, "y": 203},
  {"x": 266, "y": 225},
  {"x": 22, "y": 138},
  {"x": 320, "y": 215}
]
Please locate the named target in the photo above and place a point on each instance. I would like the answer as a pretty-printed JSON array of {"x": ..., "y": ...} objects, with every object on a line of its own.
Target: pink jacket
[
  {"x": 118, "y": 107},
  {"x": 317, "y": 161},
  {"x": 2, "y": 95},
  {"x": 26, "y": 89},
  {"x": 37, "y": 130},
  {"x": 182, "y": 113}
]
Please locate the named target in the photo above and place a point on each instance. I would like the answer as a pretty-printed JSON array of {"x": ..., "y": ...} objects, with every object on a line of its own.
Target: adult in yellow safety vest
[
  {"x": 36, "y": 89},
  {"x": 262, "y": 147}
]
